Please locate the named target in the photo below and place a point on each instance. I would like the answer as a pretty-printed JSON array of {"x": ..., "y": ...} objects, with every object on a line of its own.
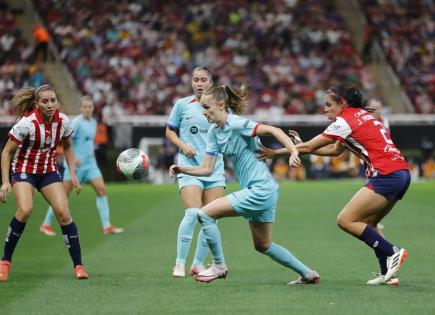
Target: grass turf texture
[{"x": 131, "y": 273}]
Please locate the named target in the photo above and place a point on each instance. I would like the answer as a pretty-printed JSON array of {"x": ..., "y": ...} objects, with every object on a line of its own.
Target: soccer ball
[{"x": 133, "y": 163}]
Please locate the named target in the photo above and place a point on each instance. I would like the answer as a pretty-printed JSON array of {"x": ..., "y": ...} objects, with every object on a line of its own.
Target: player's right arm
[
  {"x": 71, "y": 162},
  {"x": 172, "y": 136},
  {"x": 205, "y": 169},
  {"x": 6, "y": 156}
]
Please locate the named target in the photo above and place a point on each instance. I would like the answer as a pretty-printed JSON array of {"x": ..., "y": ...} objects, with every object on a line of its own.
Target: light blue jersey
[
  {"x": 187, "y": 116},
  {"x": 238, "y": 141},
  {"x": 83, "y": 139}
]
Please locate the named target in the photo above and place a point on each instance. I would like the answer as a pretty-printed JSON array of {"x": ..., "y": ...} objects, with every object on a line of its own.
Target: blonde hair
[
  {"x": 235, "y": 99},
  {"x": 25, "y": 99}
]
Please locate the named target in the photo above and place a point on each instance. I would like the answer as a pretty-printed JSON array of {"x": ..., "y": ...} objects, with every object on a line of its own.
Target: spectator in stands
[{"x": 41, "y": 37}]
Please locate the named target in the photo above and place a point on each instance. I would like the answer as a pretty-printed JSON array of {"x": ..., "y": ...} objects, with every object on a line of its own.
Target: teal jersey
[
  {"x": 238, "y": 141},
  {"x": 83, "y": 139},
  {"x": 187, "y": 116}
]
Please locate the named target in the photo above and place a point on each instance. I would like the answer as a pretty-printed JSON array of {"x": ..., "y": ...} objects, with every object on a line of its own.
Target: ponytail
[{"x": 234, "y": 99}]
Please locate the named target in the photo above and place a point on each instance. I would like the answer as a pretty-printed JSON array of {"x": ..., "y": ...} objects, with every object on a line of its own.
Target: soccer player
[
  {"x": 355, "y": 129},
  {"x": 87, "y": 170},
  {"x": 188, "y": 120},
  {"x": 30, "y": 148},
  {"x": 236, "y": 137}
]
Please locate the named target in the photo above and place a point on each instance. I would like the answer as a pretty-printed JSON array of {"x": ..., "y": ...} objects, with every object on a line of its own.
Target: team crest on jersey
[
  {"x": 48, "y": 140},
  {"x": 194, "y": 130},
  {"x": 23, "y": 176}
]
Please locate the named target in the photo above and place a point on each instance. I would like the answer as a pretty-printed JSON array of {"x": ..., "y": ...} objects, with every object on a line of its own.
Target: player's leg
[
  {"x": 191, "y": 190},
  {"x": 46, "y": 227},
  {"x": 56, "y": 196},
  {"x": 24, "y": 199},
  {"x": 211, "y": 192}
]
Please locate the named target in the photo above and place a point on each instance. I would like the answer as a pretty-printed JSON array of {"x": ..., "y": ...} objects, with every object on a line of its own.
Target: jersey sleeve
[
  {"x": 212, "y": 145},
  {"x": 247, "y": 127},
  {"x": 20, "y": 131},
  {"x": 75, "y": 124},
  {"x": 338, "y": 130},
  {"x": 174, "y": 119},
  {"x": 66, "y": 126}
]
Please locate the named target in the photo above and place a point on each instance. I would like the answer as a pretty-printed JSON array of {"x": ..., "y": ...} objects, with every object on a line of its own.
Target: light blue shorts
[
  {"x": 84, "y": 174},
  {"x": 256, "y": 204},
  {"x": 185, "y": 181}
]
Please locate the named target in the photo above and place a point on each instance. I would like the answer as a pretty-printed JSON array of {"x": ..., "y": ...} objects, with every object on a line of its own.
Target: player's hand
[
  {"x": 294, "y": 160},
  {"x": 76, "y": 184},
  {"x": 265, "y": 153},
  {"x": 77, "y": 162},
  {"x": 4, "y": 191},
  {"x": 294, "y": 135},
  {"x": 188, "y": 151},
  {"x": 174, "y": 170}
]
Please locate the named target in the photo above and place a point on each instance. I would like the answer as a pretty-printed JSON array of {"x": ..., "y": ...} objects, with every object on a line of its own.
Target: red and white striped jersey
[
  {"x": 37, "y": 142},
  {"x": 365, "y": 136}
]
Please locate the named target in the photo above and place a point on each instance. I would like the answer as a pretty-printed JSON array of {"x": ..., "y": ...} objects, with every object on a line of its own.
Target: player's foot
[
  {"x": 47, "y": 230},
  {"x": 80, "y": 272},
  {"x": 194, "y": 270},
  {"x": 310, "y": 278},
  {"x": 395, "y": 262},
  {"x": 216, "y": 271},
  {"x": 111, "y": 229},
  {"x": 178, "y": 271},
  {"x": 380, "y": 279},
  {"x": 4, "y": 270}
]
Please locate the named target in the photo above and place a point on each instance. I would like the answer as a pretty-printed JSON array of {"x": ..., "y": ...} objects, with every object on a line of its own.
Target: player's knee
[
  {"x": 342, "y": 222},
  {"x": 262, "y": 247},
  {"x": 23, "y": 213},
  {"x": 101, "y": 191},
  {"x": 191, "y": 212},
  {"x": 204, "y": 217},
  {"x": 63, "y": 216}
]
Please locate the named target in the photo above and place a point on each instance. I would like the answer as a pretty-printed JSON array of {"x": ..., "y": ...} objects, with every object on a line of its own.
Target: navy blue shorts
[
  {"x": 38, "y": 181},
  {"x": 392, "y": 186}
]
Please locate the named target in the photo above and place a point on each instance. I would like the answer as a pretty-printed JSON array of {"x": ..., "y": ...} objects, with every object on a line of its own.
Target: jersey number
[{"x": 383, "y": 132}]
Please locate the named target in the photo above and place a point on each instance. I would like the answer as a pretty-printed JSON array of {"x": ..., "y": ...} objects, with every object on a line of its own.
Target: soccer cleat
[
  {"x": 4, "y": 270},
  {"x": 47, "y": 230},
  {"x": 194, "y": 270},
  {"x": 380, "y": 279},
  {"x": 310, "y": 278},
  {"x": 111, "y": 229},
  {"x": 216, "y": 271},
  {"x": 80, "y": 272},
  {"x": 395, "y": 262},
  {"x": 178, "y": 271}
]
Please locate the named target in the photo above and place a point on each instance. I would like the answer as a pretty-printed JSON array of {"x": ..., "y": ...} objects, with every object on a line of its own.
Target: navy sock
[
  {"x": 377, "y": 242},
  {"x": 71, "y": 238},
  {"x": 15, "y": 230},
  {"x": 382, "y": 262}
]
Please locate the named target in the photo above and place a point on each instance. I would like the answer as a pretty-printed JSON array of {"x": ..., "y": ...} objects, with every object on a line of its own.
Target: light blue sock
[
  {"x": 185, "y": 233},
  {"x": 201, "y": 250},
  {"x": 283, "y": 256},
  {"x": 49, "y": 216},
  {"x": 103, "y": 209},
  {"x": 212, "y": 235}
]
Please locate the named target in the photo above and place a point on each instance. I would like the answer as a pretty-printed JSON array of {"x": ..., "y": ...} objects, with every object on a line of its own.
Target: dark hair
[
  {"x": 235, "y": 99},
  {"x": 349, "y": 93},
  {"x": 209, "y": 73}
]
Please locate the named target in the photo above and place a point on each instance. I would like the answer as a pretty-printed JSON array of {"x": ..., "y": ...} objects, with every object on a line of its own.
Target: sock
[
  {"x": 283, "y": 257},
  {"x": 382, "y": 262},
  {"x": 212, "y": 235},
  {"x": 185, "y": 233},
  {"x": 103, "y": 210},
  {"x": 377, "y": 242},
  {"x": 49, "y": 216},
  {"x": 201, "y": 250},
  {"x": 15, "y": 230},
  {"x": 72, "y": 242}
]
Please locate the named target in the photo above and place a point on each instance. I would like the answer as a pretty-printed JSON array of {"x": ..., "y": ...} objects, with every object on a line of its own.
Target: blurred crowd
[
  {"x": 136, "y": 57},
  {"x": 407, "y": 35},
  {"x": 18, "y": 61}
]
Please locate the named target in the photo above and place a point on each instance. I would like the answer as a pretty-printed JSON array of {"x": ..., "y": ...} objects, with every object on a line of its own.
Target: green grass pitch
[{"x": 131, "y": 273}]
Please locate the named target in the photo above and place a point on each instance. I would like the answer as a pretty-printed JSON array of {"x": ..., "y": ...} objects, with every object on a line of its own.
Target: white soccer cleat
[
  {"x": 178, "y": 271},
  {"x": 380, "y": 279},
  {"x": 310, "y": 278},
  {"x": 194, "y": 270},
  {"x": 216, "y": 271},
  {"x": 395, "y": 262}
]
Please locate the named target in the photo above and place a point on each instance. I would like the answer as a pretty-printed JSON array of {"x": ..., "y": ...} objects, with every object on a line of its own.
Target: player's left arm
[
  {"x": 205, "y": 169},
  {"x": 316, "y": 144},
  {"x": 6, "y": 158},
  {"x": 70, "y": 161}
]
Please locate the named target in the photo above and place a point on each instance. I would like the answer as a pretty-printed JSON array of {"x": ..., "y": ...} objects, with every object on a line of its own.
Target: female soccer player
[
  {"x": 85, "y": 127},
  {"x": 31, "y": 145},
  {"x": 236, "y": 138},
  {"x": 187, "y": 118},
  {"x": 355, "y": 129}
]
